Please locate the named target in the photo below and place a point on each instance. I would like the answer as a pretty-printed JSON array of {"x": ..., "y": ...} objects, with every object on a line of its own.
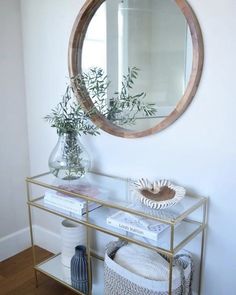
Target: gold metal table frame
[{"x": 199, "y": 203}]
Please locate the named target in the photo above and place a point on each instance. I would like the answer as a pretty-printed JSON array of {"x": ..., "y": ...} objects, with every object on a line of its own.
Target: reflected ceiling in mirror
[{"x": 147, "y": 57}]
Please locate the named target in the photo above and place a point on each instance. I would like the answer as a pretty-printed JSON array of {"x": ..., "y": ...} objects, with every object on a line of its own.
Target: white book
[
  {"x": 71, "y": 204},
  {"x": 64, "y": 200},
  {"x": 138, "y": 225},
  {"x": 75, "y": 214}
]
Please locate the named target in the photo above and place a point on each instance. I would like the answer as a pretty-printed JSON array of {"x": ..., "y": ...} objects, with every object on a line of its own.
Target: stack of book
[
  {"x": 144, "y": 227},
  {"x": 69, "y": 205}
]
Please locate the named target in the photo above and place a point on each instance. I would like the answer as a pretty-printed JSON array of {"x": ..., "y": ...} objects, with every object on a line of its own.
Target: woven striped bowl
[{"x": 159, "y": 194}]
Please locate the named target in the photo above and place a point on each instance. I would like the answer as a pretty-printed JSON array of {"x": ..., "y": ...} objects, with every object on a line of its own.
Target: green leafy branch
[
  {"x": 69, "y": 117},
  {"x": 123, "y": 107}
]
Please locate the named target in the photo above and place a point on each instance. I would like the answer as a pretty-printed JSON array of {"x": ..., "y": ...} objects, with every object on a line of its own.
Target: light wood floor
[{"x": 17, "y": 276}]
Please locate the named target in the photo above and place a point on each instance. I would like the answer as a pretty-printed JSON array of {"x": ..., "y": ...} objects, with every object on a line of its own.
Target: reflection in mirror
[
  {"x": 124, "y": 107},
  {"x": 150, "y": 35}
]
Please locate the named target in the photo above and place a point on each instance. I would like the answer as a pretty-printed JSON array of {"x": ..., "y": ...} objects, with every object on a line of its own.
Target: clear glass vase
[{"x": 69, "y": 160}]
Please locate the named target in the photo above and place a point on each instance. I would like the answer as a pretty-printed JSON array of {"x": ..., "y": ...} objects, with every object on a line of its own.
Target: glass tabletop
[{"x": 119, "y": 193}]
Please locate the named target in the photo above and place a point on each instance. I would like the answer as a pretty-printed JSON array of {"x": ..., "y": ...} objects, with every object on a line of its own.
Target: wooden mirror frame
[{"x": 75, "y": 62}]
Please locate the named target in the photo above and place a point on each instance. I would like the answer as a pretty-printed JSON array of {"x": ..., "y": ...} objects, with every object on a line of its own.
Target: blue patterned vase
[{"x": 79, "y": 270}]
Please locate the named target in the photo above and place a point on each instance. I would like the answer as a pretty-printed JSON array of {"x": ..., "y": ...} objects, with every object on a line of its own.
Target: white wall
[
  {"x": 13, "y": 132},
  {"x": 198, "y": 151},
  {"x": 46, "y": 27}
]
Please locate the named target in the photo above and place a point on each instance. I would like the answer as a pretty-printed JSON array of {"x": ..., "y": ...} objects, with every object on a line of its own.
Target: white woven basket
[{"x": 120, "y": 281}]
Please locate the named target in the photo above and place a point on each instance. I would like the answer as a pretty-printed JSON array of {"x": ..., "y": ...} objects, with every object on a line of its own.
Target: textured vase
[
  {"x": 79, "y": 270},
  {"x": 69, "y": 160},
  {"x": 72, "y": 234}
]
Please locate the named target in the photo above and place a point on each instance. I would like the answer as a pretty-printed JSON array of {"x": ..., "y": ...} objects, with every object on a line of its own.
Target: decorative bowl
[{"x": 159, "y": 194}]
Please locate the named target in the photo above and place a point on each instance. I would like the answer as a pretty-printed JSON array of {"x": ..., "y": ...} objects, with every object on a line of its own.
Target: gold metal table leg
[
  {"x": 202, "y": 247},
  {"x": 32, "y": 236},
  {"x": 170, "y": 275}
]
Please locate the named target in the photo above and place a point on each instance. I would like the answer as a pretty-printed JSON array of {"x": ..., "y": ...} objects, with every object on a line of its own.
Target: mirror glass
[{"x": 145, "y": 49}]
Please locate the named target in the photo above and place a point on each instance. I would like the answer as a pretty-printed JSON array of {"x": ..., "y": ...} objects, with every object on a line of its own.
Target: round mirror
[{"x": 139, "y": 61}]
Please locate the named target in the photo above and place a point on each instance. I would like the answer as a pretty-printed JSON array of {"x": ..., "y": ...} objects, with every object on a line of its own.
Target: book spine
[
  {"x": 78, "y": 211},
  {"x": 64, "y": 196},
  {"x": 71, "y": 212},
  {"x": 69, "y": 199},
  {"x": 133, "y": 229},
  {"x": 63, "y": 205},
  {"x": 70, "y": 207},
  {"x": 63, "y": 200},
  {"x": 77, "y": 214}
]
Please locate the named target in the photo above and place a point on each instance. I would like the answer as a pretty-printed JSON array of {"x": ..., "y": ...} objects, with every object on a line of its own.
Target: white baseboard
[
  {"x": 46, "y": 239},
  {"x": 17, "y": 242},
  {"x": 14, "y": 243}
]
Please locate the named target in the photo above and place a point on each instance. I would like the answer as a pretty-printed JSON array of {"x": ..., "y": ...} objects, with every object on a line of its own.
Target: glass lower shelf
[
  {"x": 183, "y": 232},
  {"x": 56, "y": 270}
]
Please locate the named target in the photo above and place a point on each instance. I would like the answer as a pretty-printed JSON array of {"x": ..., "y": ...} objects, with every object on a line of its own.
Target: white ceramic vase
[{"x": 72, "y": 235}]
